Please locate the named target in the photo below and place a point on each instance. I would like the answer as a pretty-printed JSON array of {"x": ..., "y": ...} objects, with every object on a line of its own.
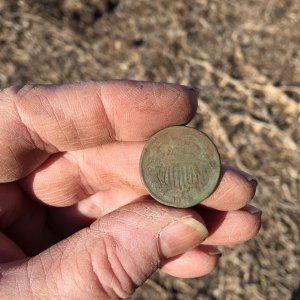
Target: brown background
[{"x": 244, "y": 58}]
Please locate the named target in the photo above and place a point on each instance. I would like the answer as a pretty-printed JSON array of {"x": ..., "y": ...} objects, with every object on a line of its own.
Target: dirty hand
[{"x": 75, "y": 220}]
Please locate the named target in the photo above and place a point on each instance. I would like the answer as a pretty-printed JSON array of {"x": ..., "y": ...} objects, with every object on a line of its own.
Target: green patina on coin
[{"x": 180, "y": 166}]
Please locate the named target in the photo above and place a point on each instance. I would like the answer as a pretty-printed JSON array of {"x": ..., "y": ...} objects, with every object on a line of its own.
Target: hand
[{"x": 69, "y": 155}]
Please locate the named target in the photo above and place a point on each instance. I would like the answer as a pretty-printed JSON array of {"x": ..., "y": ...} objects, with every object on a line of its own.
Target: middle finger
[{"x": 112, "y": 173}]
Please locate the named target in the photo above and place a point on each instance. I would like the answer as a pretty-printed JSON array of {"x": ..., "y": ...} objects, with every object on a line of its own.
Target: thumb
[{"x": 110, "y": 258}]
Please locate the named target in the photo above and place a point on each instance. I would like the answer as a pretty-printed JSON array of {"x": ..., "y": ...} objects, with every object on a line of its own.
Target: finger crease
[
  {"x": 84, "y": 185},
  {"x": 86, "y": 188},
  {"x": 110, "y": 127},
  {"x": 34, "y": 138}
]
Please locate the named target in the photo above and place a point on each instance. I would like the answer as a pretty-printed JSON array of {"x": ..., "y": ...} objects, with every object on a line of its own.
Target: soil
[{"x": 244, "y": 59}]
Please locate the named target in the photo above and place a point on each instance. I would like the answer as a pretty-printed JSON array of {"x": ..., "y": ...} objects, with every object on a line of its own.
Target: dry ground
[{"x": 243, "y": 56}]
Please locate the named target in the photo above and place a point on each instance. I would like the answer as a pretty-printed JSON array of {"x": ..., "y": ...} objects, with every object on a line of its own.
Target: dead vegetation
[{"x": 242, "y": 56}]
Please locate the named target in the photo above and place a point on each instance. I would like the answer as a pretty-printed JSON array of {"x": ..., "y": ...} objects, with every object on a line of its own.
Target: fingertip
[
  {"x": 197, "y": 262},
  {"x": 254, "y": 214},
  {"x": 233, "y": 227},
  {"x": 189, "y": 97},
  {"x": 139, "y": 109},
  {"x": 234, "y": 190}
]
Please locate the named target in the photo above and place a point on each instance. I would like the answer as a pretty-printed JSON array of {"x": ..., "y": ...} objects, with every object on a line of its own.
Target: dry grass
[{"x": 243, "y": 56}]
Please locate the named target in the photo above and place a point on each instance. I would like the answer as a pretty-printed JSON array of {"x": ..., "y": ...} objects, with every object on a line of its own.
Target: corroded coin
[{"x": 180, "y": 166}]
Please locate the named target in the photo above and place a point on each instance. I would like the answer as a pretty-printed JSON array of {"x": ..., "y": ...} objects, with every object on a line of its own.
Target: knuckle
[
  {"x": 110, "y": 273},
  {"x": 15, "y": 92},
  {"x": 21, "y": 101}
]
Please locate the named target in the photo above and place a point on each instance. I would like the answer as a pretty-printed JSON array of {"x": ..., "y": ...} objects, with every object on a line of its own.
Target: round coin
[{"x": 180, "y": 166}]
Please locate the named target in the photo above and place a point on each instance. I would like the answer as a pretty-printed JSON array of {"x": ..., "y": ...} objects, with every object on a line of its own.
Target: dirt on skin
[{"x": 243, "y": 57}]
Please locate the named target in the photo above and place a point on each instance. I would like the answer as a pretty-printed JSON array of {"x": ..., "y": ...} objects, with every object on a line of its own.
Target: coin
[{"x": 180, "y": 166}]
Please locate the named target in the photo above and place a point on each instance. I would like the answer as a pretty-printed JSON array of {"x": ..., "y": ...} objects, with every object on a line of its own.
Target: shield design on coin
[
  {"x": 180, "y": 166},
  {"x": 181, "y": 170}
]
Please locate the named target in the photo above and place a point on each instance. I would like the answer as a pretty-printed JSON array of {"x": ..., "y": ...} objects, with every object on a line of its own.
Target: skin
[{"x": 75, "y": 219}]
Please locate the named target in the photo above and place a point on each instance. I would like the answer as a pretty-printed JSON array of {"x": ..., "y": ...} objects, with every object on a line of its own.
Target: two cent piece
[{"x": 180, "y": 166}]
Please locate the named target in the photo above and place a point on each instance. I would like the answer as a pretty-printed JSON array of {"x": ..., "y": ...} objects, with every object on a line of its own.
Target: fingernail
[
  {"x": 193, "y": 89},
  {"x": 247, "y": 176},
  {"x": 215, "y": 251},
  {"x": 252, "y": 209},
  {"x": 181, "y": 236}
]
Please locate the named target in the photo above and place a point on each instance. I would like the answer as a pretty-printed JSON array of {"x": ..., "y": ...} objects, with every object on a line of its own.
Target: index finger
[{"x": 39, "y": 120}]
